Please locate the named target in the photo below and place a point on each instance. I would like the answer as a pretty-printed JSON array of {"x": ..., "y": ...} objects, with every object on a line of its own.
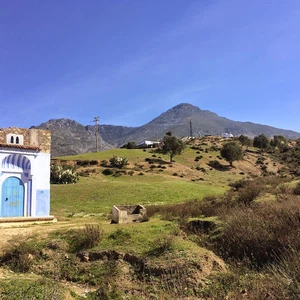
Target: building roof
[{"x": 21, "y": 147}]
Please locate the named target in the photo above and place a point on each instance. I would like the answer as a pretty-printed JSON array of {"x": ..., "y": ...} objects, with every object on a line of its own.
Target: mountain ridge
[{"x": 70, "y": 137}]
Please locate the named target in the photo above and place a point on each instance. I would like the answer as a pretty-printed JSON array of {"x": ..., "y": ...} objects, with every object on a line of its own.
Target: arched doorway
[{"x": 12, "y": 199}]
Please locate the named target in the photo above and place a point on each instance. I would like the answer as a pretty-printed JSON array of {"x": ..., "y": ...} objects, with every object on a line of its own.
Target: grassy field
[
  {"x": 97, "y": 194},
  {"x": 160, "y": 182}
]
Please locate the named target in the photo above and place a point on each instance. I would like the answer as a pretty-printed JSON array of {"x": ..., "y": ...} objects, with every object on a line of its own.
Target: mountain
[
  {"x": 178, "y": 118},
  {"x": 70, "y": 137}
]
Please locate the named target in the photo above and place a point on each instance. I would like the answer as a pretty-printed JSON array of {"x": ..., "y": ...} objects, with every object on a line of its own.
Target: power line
[
  {"x": 191, "y": 129},
  {"x": 96, "y": 120}
]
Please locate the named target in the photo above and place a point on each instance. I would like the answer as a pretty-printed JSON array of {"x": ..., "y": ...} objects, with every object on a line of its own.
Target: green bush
[
  {"x": 63, "y": 174},
  {"x": 198, "y": 157},
  {"x": 82, "y": 163},
  {"x": 119, "y": 162},
  {"x": 104, "y": 163},
  {"x": 107, "y": 172}
]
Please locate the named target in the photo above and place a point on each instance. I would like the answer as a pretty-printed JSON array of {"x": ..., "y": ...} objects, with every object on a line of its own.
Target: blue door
[{"x": 12, "y": 201}]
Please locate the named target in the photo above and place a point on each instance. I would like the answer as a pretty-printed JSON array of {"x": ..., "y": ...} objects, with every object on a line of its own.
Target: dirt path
[{"x": 12, "y": 231}]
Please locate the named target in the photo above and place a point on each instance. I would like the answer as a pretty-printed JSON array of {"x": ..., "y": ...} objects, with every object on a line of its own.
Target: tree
[
  {"x": 244, "y": 140},
  {"x": 261, "y": 142},
  {"x": 279, "y": 141},
  {"x": 231, "y": 151},
  {"x": 172, "y": 146},
  {"x": 130, "y": 145}
]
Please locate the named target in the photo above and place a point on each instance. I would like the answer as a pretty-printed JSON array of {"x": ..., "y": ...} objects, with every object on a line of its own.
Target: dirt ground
[{"x": 12, "y": 231}]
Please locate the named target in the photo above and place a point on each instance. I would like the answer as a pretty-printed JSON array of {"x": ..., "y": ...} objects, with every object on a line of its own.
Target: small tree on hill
[
  {"x": 279, "y": 142},
  {"x": 261, "y": 142},
  {"x": 231, "y": 151},
  {"x": 244, "y": 140},
  {"x": 130, "y": 145},
  {"x": 172, "y": 146}
]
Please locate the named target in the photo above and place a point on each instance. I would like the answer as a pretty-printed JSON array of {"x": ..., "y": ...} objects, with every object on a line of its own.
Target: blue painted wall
[{"x": 42, "y": 202}]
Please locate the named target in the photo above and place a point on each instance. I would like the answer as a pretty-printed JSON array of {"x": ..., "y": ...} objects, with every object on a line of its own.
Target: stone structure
[
  {"x": 128, "y": 213},
  {"x": 25, "y": 173}
]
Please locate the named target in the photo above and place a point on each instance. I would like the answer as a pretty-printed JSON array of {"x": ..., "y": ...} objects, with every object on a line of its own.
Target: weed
[
  {"x": 248, "y": 193},
  {"x": 28, "y": 289},
  {"x": 120, "y": 235},
  {"x": 19, "y": 255},
  {"x": 286, "y": 271},
  {"x": 87, "y": 237},
  {"x": 161, "y": 245},
  {"x": 296, "y": 189}
]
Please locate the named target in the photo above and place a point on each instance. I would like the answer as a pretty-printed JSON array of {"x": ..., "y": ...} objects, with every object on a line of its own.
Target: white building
[{"x": 24, "y": 173}]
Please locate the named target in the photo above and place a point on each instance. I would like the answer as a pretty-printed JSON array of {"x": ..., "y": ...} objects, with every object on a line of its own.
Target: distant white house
[
  {"x": 149, "y": 144},
  {"x": 227, "y": 135}
]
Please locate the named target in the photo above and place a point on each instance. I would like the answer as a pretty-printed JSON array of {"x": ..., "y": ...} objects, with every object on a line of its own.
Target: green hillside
[{"x": 212, "y": 231}]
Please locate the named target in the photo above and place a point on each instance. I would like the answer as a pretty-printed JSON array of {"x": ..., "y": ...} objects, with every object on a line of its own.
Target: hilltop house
[
  {"x": 24, "y": 173},
  {"x": 149, "y": 144}
]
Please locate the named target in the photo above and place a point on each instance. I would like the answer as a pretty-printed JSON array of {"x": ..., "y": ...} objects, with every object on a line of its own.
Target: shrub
[
  {"x": 296, "y": 189},
  {"x": 260, "y": 160},
  {"x": 19, "y": 256},
  {"x": 287, "y": 273},
  {"x": 82, "y": 163},
  {"x": 130, "y": 145},
  {"x": 200, "y": 169},
  {"x": 84, "y": 173},
  {"x": 249, "y": 193},
  {"x": 104, "y": 163},
  {"x": 213, "y": 148},
  {"x": 63, "y": 174},
  {"x": 217, "y": 165},
  {"x": 119, "y": 162},
  {"x": 120, "y": 235},
  {"x": 238, "y": 184},
  {"x": 261, "y": 234},
  {"x": 198, "y": 157},
  {"x": 87, "y": 237},
  {"x": 161, "y": 245},
  {"x": 107, "y": 172}
]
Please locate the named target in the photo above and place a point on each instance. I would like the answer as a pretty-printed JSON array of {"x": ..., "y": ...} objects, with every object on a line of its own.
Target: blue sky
[{"x": 129, "y": 61}]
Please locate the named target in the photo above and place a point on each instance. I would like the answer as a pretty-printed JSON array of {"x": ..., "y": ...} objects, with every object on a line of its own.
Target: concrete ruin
[{"x": 123, "y": 214}]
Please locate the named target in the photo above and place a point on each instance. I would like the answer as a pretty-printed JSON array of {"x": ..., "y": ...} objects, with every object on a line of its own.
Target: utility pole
[
  {"x": 191, "y": 129},
  {"x": 96, "y": 120}
]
